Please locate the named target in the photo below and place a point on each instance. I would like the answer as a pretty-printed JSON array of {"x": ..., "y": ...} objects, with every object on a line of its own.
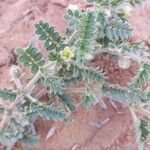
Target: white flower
[{"x": 72, "y": 7}]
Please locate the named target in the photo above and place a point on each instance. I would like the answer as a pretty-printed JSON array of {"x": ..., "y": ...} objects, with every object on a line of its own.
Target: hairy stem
[
  {"x": 72, "y": 37},
  {"x": 136, "y": 125},
  {"x": 31, "y": 98},
  {"x": 6, "y": 117},
  {"x": 144, "y": 112},
  {"x": 31, "y": 85}
]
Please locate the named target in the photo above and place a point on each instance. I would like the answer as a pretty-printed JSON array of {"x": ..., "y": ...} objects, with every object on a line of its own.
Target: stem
[
  {"x": 3, "y": 122},
  {"x": 31, "y": 98},
  {"x": 48, "y": 65},
  {"x": 82, "y": 89},
  {"x": 72, "y": 37},
  {"x": 136, "y": 125},
  {"x": 31, "y": 85},
  {"x": 144, "y": 112},
  {"x": 17, "y": 82},
  {"x": 6, "y": 116}
]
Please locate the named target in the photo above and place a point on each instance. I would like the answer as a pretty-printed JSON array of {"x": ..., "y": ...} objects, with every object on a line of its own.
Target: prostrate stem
[
  {"x": 72, "y": 37},
  {"x": 136, "y": 125},
  {"x": 31, "y": 85},
  {"x": 7, "y": 116}
]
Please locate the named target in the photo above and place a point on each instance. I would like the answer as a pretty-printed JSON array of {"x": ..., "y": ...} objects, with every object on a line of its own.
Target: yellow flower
[{"x": 66, "y": 54}]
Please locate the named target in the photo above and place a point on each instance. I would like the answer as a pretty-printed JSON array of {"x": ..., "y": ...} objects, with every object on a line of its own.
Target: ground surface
[{"x": 17, "y": 18}]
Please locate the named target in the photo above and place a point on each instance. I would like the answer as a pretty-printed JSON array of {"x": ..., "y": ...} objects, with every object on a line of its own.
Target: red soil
[{"x": 17, "y": 18}]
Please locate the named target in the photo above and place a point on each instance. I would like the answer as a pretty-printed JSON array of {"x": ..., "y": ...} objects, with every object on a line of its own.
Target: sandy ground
[{"x": 17, "y": 18}]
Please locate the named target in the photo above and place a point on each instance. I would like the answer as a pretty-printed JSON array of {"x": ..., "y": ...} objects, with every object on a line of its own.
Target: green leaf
[
  {"x": 6, "y": 94},
  {"x": 52, "y": 40},
  {"x": 11, "y": 133},
  {"x": 89, "y": 73},
  {"x": 54, "y": 84},
  {"x": 142, "y": 76},
  {"x": 86, "y": 34},
  {"x": 31, "y": 57},
  {"x": 30, "y": 139},
  {"x": 117, "y": 29},
  {"x": 144, "y": 129},
  {"x": 53, "y": 56},
  {"x": 112, "y": 3},
  {"x": 48, "y": 112},
  {"x": 88, "y": 99},
  {"x": 67, "y": 100},
  {"x": 145, "y": 96},
  {"x": 73, "y": 17},
  {"x": 120, "y": 94}
]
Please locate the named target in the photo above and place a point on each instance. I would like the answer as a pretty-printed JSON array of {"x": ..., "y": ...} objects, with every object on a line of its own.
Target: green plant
[{"x": 103, "y": 29}]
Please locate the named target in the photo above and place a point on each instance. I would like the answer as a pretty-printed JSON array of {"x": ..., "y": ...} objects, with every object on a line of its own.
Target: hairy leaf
[
  {"x": 30, "y": 139},
  {"x": 117, "y": 29},
  {"x": 6, "y": 94},
  {"x": 86, "y": 33},
  {"x": 88, "y": 99},
  {"x": 31, "y": 57},
  {"x": 112, "y": 3},
  {"x": 88, "y": 73},
  {"x": 67, "y": 100},
  {"x": 54, "y": 84},
  {"x": 72, "y": 17},
  {"x": 142, "y": 76},
  {"x": 122, "y": 95},
  {"x": 48, "y": 112},
  {"x": 52, "y": 40},
  {"x": 144, "y": 129}
]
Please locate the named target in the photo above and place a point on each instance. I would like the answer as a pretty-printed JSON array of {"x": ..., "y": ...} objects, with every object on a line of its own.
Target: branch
[
  {"x": 72, "y": 37},
  {"x": 136, "y": 125},
  {"x": 31, "y": 85},
  {"x": 6, "y": 117}
]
